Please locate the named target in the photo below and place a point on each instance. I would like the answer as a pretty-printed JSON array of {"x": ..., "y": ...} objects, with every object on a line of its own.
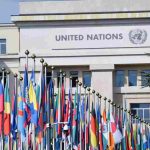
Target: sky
[{"x": 8, "y": 8}]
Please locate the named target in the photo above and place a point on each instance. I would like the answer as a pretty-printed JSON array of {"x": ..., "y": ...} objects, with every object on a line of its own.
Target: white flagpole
[
  {"x": 17, "y": 109},
  {"x": 27, "y": 53},
  {"x": 42, "y": 143},
  {"x": 33, "y": 127},
  {"x": 88, "y": 89},
  {"x": 3, "y": 77},
  {"x": 80, "y": 84},
  {"x": 8, "y": 75},
  {"x": 85, "y": 118}
]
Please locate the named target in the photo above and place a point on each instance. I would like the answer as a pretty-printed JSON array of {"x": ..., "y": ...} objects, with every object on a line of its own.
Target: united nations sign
[
  {"x": 138, "y": 36},
  {"x": 86, "y": 38}
]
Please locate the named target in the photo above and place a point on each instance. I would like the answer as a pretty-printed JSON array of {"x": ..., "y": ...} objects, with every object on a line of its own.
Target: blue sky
[{"x": 8, "y": 8}]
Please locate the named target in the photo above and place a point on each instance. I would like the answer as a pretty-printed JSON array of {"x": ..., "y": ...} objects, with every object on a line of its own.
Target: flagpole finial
[
  {"x": 64, "y": 74},
  {"x": 27, "y": 52},
  {"x": 105, "y": 98},
  {"x": 77, "y": 81},
  {"x": 100, "y": 96},
  {"x": 52, "y": 67},
  {"x": 60, "y": 71},
  {"x": 88, "y": 89},
  {"x": 42, "y": 60},
  {"x": 8, "y": 72},
  {"x": 21, "y": 78},
  {"x": 109, "y": 101},
  {"x": 84, "y": 86},
  {"x": 33, "y": 56},
  {"x": 118, "y": 106},
  {"x": 97, "y": 94},
  {"x": 80, "y": 84},
  {"x": 93, "y": 91},
  {"x": 114, "y": 105},
  {"x": 45, "y": 64},
  {"x": 3, "y": 69},
  {"x": 15, "y": 75}
]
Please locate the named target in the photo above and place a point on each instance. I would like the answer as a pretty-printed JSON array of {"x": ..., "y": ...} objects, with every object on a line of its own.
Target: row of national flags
[{"x": 33, "y": 117}]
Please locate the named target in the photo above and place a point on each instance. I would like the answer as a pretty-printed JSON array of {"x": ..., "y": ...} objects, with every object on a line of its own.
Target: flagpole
[
  {"x": 80, "y": 84},
  {"x": 52, "y": 110},
  {"x": 42, "y": 143},
  {"x": 27, "y": 53},
  {"x": 3, "y": 77},
  {"x": 48, "y": 111},
  {"x": 88, "y": 89},
  {"x": 21, "y": 79},
  {"x": 64, "y": 76},
  {"x": 100, "y": 125},
  {"x": 33, "y": 127},
  {"x": 15, "y": 75},
  {"x": 71, "y": 115},
  {"x": 85, "y": 119},
  {"x": 8, "y": 73}
]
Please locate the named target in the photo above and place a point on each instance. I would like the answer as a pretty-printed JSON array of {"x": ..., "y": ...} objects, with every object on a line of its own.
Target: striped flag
[
  {"x": 20, "y": 114},
  {"x": 93, "y": 129},
  {"x": 7, "y": 110},
  {"x": 1, "y": 106}
]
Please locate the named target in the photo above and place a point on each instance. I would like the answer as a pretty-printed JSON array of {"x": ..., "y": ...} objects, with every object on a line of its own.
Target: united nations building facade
[{"x": 104, "y": 44}]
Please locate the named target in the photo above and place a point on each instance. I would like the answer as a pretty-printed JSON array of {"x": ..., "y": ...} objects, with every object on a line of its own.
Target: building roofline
[
  {"x": 7, "y": 25},
  {"x": 74, "y": 17}
]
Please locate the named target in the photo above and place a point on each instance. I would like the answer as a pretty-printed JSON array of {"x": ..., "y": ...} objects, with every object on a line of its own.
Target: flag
[
  {"x": 93, "y": 129},
  {"x": 20, "y": 114},
  {"x": 99, "y": 125},
  {"x": 111, "y": 142},
  {"x": 117, "y": 136},
  {"x": 14, "y": 117},
  {"x": 33, "y": 104},
  {"x": 87, "y": 120},
  {"x": 1, "y": 106},
  {"x": 7, "y": 110},
  {"x": 104, "y": 130},
  {"x": 26, "y": 110}
]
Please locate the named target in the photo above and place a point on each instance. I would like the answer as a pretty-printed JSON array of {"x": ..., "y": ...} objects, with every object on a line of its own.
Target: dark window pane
[
  {"x": 74, "y": 75},
  {"x": 87, "y": 78},
  {"x": 140, "y": 113},
  {"x": 146, "y": 113},
  {"x": 145, "y": 78},
  {"x": 3, "y": 48},
  {"x": 49, "y": 74},
  {"x": 2, "y": 40},
  {"x": 134, "y": 112},
  {"x": 119, "y": 78},
  {"x": 132, "y": 74}
]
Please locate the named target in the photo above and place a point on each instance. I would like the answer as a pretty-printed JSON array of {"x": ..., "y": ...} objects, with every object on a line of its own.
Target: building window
[
  {"x": 119, "y": 78},
  {"x": 2, "y": 46},
  {"x": 142, "y": 110},
  {"x": 132, "y": 75},
  {"x": 49, "y": 76},
  {"x": 87, "y": 78},
  {"x": 74, "y": 75},
  {"x": 145, "y": 78}
]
